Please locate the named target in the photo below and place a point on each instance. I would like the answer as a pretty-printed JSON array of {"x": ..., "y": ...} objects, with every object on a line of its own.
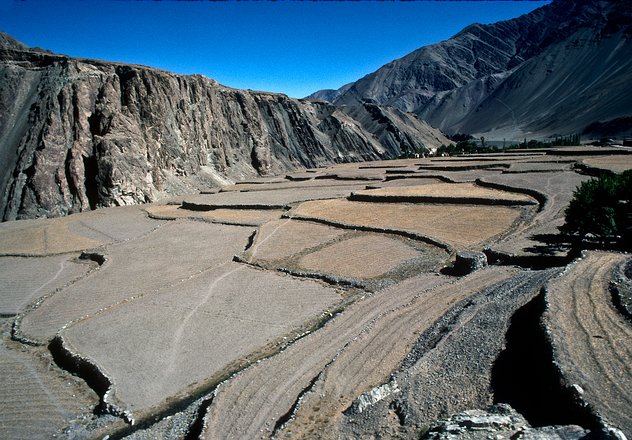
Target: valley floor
[{"x": 321, "y": 304}]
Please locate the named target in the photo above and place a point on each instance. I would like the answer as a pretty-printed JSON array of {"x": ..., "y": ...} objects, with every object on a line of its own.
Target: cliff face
[
  {"x": 515, "y": 78},
  {"x": 80, "y": 134}
]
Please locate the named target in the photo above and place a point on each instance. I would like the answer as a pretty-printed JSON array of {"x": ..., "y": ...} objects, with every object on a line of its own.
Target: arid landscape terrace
[
  {"x": 196, "y": 243},
  {"x": 320, "y": 304}
]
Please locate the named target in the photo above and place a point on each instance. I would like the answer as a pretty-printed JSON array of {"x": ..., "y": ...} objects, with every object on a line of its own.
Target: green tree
[{"x": 601, "y": 208}]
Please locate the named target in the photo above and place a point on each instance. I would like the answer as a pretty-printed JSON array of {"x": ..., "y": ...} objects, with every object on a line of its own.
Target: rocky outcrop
[
  {"x": 554, "y": 71},
  {"x": 498, "y": 421},
  {"x": 80, "y": 134},
  {"x": 469, "y": 261}
]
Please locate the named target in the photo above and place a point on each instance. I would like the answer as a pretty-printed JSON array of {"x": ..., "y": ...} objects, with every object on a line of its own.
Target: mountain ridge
[
  {"x": 78, "y": 134},
  {"x": 458, "y": 75}
]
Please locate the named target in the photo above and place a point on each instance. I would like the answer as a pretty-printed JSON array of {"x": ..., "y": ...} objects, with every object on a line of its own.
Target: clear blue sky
[{"x": 294, "y": 48}]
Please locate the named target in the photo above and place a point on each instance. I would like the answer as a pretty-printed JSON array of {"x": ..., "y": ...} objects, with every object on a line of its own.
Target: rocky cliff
[
  {"x": 554, "y": 71},
  {"x": 79, "y": 134}
]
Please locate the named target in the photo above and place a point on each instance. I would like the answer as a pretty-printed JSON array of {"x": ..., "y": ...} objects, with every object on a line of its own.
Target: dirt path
[
  {"x": 375, "y": 333},
  {"x": 592, "y": 341},
  {"x": 558, "y": 188}
]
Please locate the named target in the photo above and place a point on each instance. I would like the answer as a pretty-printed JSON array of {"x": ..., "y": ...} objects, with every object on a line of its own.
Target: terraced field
[
  {"x": 245, "y": 217},
  {"x": 459, "y": 226},
  {"x": 314, "y": 305},
  {"x": 444, "y": 193},
  {"x": 23, "y": 280},
  {"x": 591, "y": 339},
  {"x": 36, "y": 399},
  {"x": 242, "y": 310},
  {"x": 614, "y": 163}
]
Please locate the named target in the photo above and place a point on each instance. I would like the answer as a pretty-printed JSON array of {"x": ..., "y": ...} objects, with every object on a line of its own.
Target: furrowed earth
[{"x": 322, "y": 304}]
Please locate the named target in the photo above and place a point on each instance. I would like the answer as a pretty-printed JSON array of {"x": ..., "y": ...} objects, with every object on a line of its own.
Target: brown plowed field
[
  {"x": 178, "y": 338},
  {"x": 287, "y": 184},
  {"x": 558, "y": 189},
  {"x": 367, "y": 256},
  {"x": 616, "y": 164},
  {"x": 462, "y": 226},
  {"x": 411, "y": 181},
  {"x": 281, "y": 239},
  {"x": 23, "y": 280},
  {"x": 592, "y": 341},
  {"x": 168, "y": 312},
  {"x": 446, "y": 191},
  {"x": 281, "y": 197},
  {"x": 73, "y": 233},
  {"x": 36, "y": 400},
  {"x": 135, "y": 268},
  {"x": 246, "y": 217}
]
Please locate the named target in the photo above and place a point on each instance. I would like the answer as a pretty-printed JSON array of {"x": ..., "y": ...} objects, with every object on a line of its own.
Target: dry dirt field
[
  {"x": 244, "y": 217},
  {"x": 459, "y": 226},
  {"x": 445, "y": 192},
  {"x": 613, "y": 163},
  {"x": 320, "y": 304}
]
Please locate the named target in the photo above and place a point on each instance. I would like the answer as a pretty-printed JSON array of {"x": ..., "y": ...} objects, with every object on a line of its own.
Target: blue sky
[{"x": 289, "y": 47}]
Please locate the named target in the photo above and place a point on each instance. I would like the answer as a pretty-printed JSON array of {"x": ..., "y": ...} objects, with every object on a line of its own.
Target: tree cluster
[
  {"x": 601, "y": 210},
  {"x": 558, "y": 141}
]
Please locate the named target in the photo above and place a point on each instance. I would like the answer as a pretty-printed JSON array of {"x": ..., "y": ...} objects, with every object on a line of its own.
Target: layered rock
[{"x": 79, "y": 134}]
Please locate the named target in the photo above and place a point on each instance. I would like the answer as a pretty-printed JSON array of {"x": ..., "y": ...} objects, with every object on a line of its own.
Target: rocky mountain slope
[
  {"x": 78, "y": 134},
  {"x": 553, "y": 71}
]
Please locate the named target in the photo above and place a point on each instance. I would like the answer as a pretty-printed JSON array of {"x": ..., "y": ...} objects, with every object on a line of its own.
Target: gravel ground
[{"x": 449, "y": 368}]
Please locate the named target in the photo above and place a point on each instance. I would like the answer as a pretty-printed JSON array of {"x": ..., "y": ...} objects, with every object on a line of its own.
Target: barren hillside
[{"x": 554, "y": 71}]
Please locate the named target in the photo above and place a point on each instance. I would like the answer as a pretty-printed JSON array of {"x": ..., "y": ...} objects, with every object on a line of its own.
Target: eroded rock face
[
  {"x": 498, "y": 421},
  {"x": 80, "y": 134}
]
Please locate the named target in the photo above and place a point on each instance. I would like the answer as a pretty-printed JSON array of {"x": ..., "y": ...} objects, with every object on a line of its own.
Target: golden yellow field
[
  {"x": 461, "y": 226},
  {"x": 222, "y": 215},
  {"x": 445, "y": 191}
]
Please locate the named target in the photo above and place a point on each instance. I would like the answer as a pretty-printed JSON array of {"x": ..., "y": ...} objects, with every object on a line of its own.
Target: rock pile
[{"x": 498, "y": 422}]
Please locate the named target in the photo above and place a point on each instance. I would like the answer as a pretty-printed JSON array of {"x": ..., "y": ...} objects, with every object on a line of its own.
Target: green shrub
[{"x": 601, "y": 208}]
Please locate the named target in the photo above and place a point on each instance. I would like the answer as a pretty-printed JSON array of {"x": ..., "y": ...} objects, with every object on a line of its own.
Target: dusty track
[
  {"x": 379, "y": 330},
  {"x": 591, "y": 339}
]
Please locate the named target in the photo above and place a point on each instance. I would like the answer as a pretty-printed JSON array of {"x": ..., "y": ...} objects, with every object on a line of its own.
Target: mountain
[
  {"x": 556, "y": 70},
  {"x": 78, "y": 134}
]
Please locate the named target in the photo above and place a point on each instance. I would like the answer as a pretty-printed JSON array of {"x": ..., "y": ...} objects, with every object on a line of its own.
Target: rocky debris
[
  {"x": 469, "y": 261},
  {"x": 621, "y": 288},
  {"x": 502, "y": 79},
  {"x": 372, "y": 397},
  {"x": 450, "y": 367},
  {"x": 80, "y": 134},
  {"x": 498, "y": 422}
]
